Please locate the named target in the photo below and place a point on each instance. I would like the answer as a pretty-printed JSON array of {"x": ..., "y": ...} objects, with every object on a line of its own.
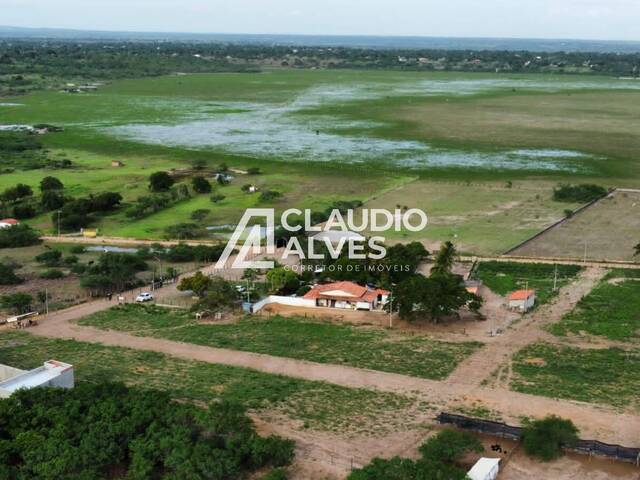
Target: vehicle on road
[{"x": 144, "y": 297}]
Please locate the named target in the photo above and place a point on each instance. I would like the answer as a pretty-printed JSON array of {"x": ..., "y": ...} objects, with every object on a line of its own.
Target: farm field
[
  {"x": 606, "y": 230},
  {"x": 318, "y": 405},
  {"x": 364, "y": 347},
  {"x": 611, "y": 311},
  {"x": 607, "y": 376},
  {"x": 503, "y": 278},
  {"x": 321, "y": 136}
]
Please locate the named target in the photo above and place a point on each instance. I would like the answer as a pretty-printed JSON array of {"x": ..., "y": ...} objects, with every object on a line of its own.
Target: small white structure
[
  {"x": 522, "y": 300},
  {"x": 51, "y": 374},
  {"x": 8, "y": 222},
  {"x": 485, "y": 469}
]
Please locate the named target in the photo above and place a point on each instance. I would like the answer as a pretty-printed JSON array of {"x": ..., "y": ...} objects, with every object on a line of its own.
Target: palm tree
[{"x": 444, "y": 259}]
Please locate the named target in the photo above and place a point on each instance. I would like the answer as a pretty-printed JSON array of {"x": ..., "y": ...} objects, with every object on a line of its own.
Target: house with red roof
[
  {"x": 347, "y": 295},
  {"x": 8, "y": 222},
  {"x": 522, "y": 300}
]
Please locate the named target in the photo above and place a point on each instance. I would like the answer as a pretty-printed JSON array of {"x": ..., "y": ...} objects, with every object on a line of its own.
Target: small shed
[
  {"x": 117, "y": 163},
  {"x": 485, "y": 469},
  {"x": 522, "y": 300},
  {"x": 8, "y": 222}
]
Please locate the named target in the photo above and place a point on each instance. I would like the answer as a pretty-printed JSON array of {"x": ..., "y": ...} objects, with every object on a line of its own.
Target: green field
[
  {"x": 314, "y": 404},
  {"x": 504, "y": 277},
  {"x": 445, "y": 142},
  {"x": 611, "y": 310},
  {"x": 362, "y": 347},
  {"x": 609, "y": 376}
]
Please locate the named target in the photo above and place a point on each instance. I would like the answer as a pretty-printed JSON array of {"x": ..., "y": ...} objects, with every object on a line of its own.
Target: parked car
[{"x": 144, "y": 297}]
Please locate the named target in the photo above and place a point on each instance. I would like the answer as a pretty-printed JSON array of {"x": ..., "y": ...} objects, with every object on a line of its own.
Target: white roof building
[
  {"x": 485, "y": 469},
  {"x": 334, "y": 237},
  {"x": 50, "y": 374}
]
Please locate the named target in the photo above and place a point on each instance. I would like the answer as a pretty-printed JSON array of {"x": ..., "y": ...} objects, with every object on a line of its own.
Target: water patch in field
[
  {"x": 8, "y": 104},
  {"x": 297, "y": 131}
]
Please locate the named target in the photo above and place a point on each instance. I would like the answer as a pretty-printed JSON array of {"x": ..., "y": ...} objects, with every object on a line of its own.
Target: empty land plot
[
  {"x": 504, "y": 277},
  {"x": 611, "y": 310},
  {"x": 607, "y": 376},
  {"x": 319, "y": 405},
  {"x": 608, "y": 230},
  {"x": 363, "y": 347},
  {"x": 484, "y": 218}
]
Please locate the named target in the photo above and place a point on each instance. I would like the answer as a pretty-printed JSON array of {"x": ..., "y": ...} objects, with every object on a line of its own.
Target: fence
[
  {"x": 587, "y": 447},
  {"x": 292, "y": 301}
]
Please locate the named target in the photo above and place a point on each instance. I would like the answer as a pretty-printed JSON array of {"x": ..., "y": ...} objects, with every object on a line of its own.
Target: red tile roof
[
  {"x": 10, "y": 221},
  {"x": 521, "y": 294},
  {"x": 353, "y": 292}
]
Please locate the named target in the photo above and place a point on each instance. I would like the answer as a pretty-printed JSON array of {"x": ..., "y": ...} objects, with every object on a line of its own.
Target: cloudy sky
[{"x": 588, "y": 19}]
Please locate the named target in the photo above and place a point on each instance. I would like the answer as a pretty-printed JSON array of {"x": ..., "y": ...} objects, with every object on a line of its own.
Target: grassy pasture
[
  {"x": 607, "y": 230},
  {"x": 611, "y": 310},
  {"x": 468, "y": 204},
  {"x": 504, "y": 277},
  {"x": 363, "y": 347},
  {"x": 315, "y": 404},
  {"x": 608, "y": 376}
]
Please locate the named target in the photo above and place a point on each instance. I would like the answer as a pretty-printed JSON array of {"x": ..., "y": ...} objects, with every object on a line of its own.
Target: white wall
[{"x": 292, "y": 301}]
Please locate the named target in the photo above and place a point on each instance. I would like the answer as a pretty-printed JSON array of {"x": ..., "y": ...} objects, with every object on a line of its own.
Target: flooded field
[{"x": 302, "y": 128}]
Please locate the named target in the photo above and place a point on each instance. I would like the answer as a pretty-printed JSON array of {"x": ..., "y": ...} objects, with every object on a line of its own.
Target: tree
[
  {"x": 637, "y": 249},
  {"x": 221, "y": 295},
  {"x": 24, "y": 210},
  {"x": 283, "y": 280},
  {"x": 445, "y": 258},
  {"x": 13, "y": 194},
  {"x": 160, "y": 182},
  {"x": 198, "y": 284},
  {"x": 106, "y": 201},
  {"x": 18, "y": 302},
  {"x": 18, "y": 236},
  {"x": 51, "y": 200},
  {"x": 200, "y": 184},
  {"x": 217, "y": 198},
  {"x": 200, "y": 214},
  {"x": 138, "y": 433},
  {"x": 50, "y": 183},
  {"x": 545, "y": 438},
  {"x": 113, "y": 272},
  {"x": 254, "y": 171},
  {"x": 439, "y": 457}
]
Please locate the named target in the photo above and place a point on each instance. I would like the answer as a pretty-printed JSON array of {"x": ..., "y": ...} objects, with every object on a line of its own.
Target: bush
[
  {"x": 185, "y": 231},
  {"x": 269, "y": 195},
  {"x": 51, "y": 200},
  {"x": 52, "y": 274},
  {"x": 17, "y": 302},
  {"x": 50, "y": 183},
  {"x": 17, "y": 192},
  {"x": 50, "y": 258},
  {"x": 545, "y": 438},
  {"x": 160, "y": 182},
  {"x": 8, "y": 276},
  {"x": 217, "y": 198},
  {"x": 277, "y": 474},
  {"x": 18, "y": 236},
  {"x": 24, "y": 210},
  {"x": 77, "y": 249},
  {"x": 200, "y": 184},
  {"x": 584, "y": 193},
  {"x": 254, "y": 171},
  {"x": 200, "y": 214}
]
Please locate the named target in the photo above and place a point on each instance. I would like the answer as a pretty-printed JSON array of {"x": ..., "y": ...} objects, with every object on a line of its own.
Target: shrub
[
  {"x": 18, "y": 236},
  {"x": 217, "y": 198},
  {"x": 200, "y": 214},
  {"x": 269, "y": 195},
  {"x": 254, "y": 171},
  {"x": 17, "y": 192},
  {"x": 185, "y": 231},
  {"x": 77, "y": 249},
  {"x": 545, "y": 438},
  {"x": 8, "y": 276},
  {"x": 24, "y": 210},
  {"x": 50, "y": 183},
  {"x": 160, "y": 182},
  {"x": 18, "y": 302},
  {"x": 200, "y": 184},
  {"x": 578, "y": 193},
  {"x": 52, "y": 274},
  {"x": 50, "y": 258}
]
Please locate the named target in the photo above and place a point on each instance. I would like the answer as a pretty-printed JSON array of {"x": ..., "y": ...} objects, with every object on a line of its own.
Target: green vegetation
[
  {"x": 438, "y": 460},
  {"x": 138, "y": 433},
  {"x": 371, "y": 348},
  {"x": 319, "y": 405},
  {"x": 544, "y": 439},
  {"x": 611, "y": 310},
  {"x": 578, "y": 193},
  {"x": 609, "y": 376},
  {"x": 505, "y": 277},
  {"x": 18, "y": 236}
]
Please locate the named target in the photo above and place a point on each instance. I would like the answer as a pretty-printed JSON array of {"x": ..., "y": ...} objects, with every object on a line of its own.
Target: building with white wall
[{"x": 50, "y": 374}]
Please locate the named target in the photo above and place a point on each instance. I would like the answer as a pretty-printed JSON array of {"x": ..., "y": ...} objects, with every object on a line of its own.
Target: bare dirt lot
[{"x": 608, "y": 230}]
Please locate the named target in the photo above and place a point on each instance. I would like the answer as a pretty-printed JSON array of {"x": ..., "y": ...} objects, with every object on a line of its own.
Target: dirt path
[{"x": 499, "y": 350}]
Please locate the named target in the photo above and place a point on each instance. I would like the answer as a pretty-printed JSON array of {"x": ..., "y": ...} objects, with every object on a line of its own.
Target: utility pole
[
  {"x": 59, "y": 222},
  {"x": 555, "y": 278},
  {"x": 585, "y": 251},
  {"x": 390, "y": 312},
  {"x": 46, "y": 302}
]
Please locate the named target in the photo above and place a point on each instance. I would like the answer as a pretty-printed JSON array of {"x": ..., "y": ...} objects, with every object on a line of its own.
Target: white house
[
  {"x": 485, "y": 469},
  {"x": 8, "y": 222},
  {"x": 50, "y": 374},
  {"x": 347, "y": 295},
  {"x": 522, "y": 300}
]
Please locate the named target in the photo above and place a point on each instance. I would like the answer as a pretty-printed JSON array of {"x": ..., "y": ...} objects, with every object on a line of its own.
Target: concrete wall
[{"x": 7, "y": 372}]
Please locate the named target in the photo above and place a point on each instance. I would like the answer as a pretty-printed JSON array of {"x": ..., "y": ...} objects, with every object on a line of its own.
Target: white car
[{"x": 144, "y": 297}]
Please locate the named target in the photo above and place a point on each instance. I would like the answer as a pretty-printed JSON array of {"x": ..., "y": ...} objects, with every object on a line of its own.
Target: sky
[{"x": 575, "y": 19}]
